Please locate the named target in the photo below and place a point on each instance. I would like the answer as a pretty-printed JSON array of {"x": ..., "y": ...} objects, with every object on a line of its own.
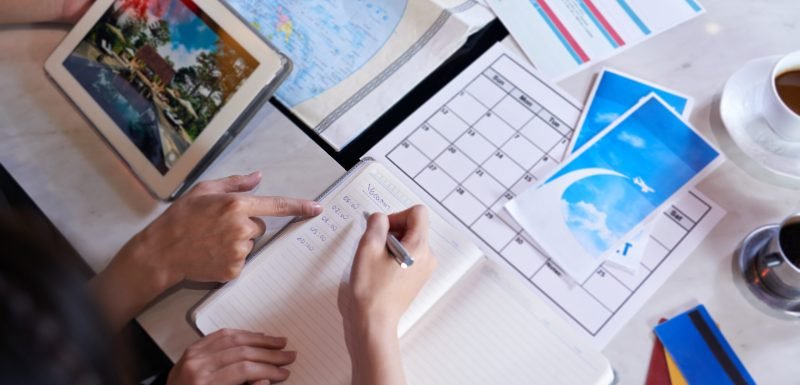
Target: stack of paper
[
  {"x": 613, "y": 94},
  {"x": 629, "y": 157}
]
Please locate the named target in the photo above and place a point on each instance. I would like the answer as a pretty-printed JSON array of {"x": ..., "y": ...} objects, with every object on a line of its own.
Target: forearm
[
  {"x": 130, "y": 282},
  {"x": 377, "y": 359},
  {"x": 30, "y": 11}
]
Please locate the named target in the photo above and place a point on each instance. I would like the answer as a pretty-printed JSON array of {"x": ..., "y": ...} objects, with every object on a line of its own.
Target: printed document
[
  {"x": 561, "y": 37},
  {"x": 490, "y": 134}
]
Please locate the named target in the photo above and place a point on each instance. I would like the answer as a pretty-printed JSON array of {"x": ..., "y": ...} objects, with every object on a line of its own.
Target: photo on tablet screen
[{"x": 161, "y": 70}]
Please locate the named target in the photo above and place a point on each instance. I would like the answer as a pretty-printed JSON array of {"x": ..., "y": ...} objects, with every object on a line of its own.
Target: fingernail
[
  {"x": 284, "y": 372},
  {"x": 316, "y": 209}
]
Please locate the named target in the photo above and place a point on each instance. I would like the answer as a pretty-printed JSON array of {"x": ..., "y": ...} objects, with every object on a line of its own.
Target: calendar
[{"x": 498, "y": 129}]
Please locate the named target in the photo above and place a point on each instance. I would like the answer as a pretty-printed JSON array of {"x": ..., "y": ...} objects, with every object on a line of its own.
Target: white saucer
[{"x": 740, "y": 109}]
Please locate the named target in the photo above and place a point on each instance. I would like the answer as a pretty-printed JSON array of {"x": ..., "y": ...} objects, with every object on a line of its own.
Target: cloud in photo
[
  {"x": 589, "y": 225},
  {"x": 633, "y": 140},
  {"x": 180, "y": 55},
  {"x": 606, "y": 117}
]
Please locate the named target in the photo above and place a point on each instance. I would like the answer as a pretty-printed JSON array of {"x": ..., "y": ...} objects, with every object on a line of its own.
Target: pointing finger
[
  {"x": 231, "y": 184},
  {"x": 260, "y": 206}
]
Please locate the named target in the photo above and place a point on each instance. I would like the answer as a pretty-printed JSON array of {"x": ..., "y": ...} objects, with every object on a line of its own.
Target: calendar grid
[
  {"x": 705, "y": 213},
  {"x": 490, "y": 141}
]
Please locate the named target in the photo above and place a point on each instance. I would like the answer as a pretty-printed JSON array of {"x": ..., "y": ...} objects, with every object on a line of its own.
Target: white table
[{"x": 97, "y": 204}]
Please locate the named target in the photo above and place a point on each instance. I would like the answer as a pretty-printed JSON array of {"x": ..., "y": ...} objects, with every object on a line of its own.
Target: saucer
[
  {"x": 740, "y": 110},
  {"x": 745, "y": 263}
]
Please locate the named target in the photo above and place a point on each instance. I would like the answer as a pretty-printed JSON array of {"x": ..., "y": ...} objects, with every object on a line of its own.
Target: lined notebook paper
[
  {"x": 490, "y": 330},
  {"x": 291, "y": 288}
]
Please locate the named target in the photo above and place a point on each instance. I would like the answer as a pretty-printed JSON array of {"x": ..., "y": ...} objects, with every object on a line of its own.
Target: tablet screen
[{"x": 161, "y": 70}]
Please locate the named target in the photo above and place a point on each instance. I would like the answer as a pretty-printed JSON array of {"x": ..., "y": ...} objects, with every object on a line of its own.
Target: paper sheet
[
  {"x": 602, "y": 195},
  {"x": 355, "y": 59},
  {"x": 563, "y": 36},
  {"x": 291, "y": 289},
  {"x": 490, "y": 330},
  {"x": 613, "y": 94},
  {"x": 490, "y": 134}
]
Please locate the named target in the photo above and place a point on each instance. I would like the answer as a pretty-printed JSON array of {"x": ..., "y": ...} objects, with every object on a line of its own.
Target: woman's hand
[
  {"x": 233, "y": 357},
  {"x": 203, "y": 236},
  {"x": 72, "y": 10},
  {"x": 380, "y": 291},
  {"x": 39, "y": 11},
  {"x": 206, "y": 235}
]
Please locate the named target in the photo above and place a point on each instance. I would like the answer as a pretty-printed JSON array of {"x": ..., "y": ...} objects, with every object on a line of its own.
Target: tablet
[{"x": 167, "y": 83}]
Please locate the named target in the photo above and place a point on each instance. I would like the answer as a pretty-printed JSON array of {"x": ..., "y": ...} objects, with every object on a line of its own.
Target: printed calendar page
[{"x": 498, "y": 129}]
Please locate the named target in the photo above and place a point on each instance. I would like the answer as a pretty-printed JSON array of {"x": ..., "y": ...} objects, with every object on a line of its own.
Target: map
[{"x": 326, "y": 40}]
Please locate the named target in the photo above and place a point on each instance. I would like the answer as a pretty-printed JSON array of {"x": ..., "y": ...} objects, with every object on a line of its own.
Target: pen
[{"x": 397, "y": 250}]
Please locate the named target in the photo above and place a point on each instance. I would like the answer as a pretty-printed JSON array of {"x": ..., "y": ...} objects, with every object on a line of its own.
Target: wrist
[
  {"x": 132, "y": 281},
  {"x": 141, "y": 260},
  {"x": 371, "y": 323}
]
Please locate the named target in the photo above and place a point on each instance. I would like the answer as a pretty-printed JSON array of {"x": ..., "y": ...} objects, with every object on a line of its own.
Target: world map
[{"x": 327, "y": 40}]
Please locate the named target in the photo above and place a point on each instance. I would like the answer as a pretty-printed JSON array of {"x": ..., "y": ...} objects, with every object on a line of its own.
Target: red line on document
[
  {"x": 571, "y": 40},
  {"x": 604, "y": 22}
]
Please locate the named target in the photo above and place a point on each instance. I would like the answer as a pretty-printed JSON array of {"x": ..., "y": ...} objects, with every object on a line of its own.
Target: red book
[{"x": 658, "y": 373}]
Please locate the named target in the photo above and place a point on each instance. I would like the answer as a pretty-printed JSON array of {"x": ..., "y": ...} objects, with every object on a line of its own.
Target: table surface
[{"x": 96, "y": 202}]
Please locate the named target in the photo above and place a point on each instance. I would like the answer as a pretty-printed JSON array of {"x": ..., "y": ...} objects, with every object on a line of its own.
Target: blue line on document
[
  {"x": 696, "y": 7},
  {"x": 557, "y": 32},
  {"x": 598, "y": 25},
  {"x": 639, "y": 23}
]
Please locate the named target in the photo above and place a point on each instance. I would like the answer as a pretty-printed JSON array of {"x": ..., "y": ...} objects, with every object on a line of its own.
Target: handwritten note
[{"x": 291, "y": 289}]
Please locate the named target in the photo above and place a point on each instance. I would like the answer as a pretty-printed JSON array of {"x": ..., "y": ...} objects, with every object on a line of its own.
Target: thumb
[
  {"x": 231, "y": 184},
  {"x": 373, "y": 242}
]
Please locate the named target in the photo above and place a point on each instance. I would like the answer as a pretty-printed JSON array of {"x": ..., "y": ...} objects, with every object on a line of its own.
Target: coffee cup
[
  {"x": 778, "y": 263},
  {"x": 781, "y": 107}
]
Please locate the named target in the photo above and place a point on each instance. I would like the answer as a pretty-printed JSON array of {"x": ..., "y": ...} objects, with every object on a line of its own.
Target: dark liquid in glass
[
  {"x": 788, "y": 86},
  {"x": 790, "y": 243}
]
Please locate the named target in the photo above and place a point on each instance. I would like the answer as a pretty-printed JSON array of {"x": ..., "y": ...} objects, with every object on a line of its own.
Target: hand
[
  {"x": 72, "y": 10},
  {"x": 206, "y": 235},
  {"x": 203, "y": 236},
  {"x": 233, "y": 357},
  {"x": 37, "y": 11},
  {"x": 381, "y": 290}
]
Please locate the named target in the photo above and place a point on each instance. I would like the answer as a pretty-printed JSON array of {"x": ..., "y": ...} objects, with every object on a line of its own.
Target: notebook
[{"x": 471, "y": 324}]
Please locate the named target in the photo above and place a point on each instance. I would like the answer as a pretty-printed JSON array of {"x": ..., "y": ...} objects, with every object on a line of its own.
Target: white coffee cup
[{"x": 781, "y": 118}]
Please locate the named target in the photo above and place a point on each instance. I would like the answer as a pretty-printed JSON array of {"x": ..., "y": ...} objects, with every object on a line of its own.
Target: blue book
[{"x": 700, "y": 350}]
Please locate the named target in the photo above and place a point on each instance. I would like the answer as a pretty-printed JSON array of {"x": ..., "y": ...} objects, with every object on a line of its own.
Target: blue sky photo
[
  {"x": 657, "y": 154},
  {"x": 615, "y": 95},
  {"x": 190, "y": 36}
]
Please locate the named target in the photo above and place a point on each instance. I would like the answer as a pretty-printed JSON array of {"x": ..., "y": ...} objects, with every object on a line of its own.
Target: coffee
[
  {"x": 788, "y": 87},
  {"x": 790, "y": 243}
]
